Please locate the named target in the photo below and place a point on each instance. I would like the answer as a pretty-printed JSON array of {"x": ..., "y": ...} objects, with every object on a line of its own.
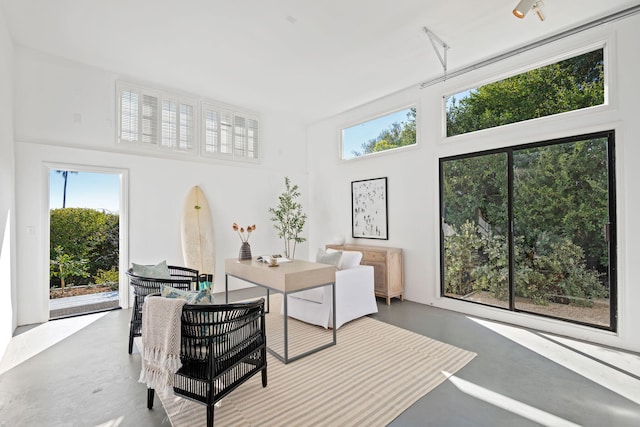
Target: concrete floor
[{"x": 519, "y": 378}]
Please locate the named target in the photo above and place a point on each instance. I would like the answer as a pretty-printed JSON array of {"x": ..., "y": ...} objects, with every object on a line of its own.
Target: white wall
[
  {"x": 413, "y": 175},
  {"x": 52, "y": 92},
  {"x": 7, "y": 211}
]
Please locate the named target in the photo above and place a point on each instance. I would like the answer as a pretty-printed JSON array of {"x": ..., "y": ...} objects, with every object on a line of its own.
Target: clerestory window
[
  {"x": 172, "y": 122},
  {"x": 571, "y": 84}
]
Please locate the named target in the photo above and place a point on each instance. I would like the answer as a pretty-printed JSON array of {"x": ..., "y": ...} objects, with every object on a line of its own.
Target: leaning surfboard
[{"x": 198, "y": 248}]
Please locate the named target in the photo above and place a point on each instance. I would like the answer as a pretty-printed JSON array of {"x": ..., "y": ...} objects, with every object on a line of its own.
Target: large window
[
  {"x": 532, "y": 229},
  {"x": 171, "y": 122},
  {"x": 155, "y": 118},
  {"x": 568, "y": 85},
  {"x": 227, "y": 133},
  {"x": 390, "y": 131}
]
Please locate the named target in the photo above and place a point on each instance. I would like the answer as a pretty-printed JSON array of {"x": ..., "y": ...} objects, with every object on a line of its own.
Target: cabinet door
[{"x": 379, "y": 276}]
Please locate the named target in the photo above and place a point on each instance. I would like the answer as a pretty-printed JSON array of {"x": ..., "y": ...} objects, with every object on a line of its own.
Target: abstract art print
[{"x": 369, "y": 209}]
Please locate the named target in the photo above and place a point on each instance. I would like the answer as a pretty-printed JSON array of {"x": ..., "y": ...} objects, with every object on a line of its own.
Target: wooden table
[{"x": 286, "y": 278}]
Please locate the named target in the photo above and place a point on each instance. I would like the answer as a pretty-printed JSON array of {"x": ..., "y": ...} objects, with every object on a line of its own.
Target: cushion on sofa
[
  {"x": 349, "y": 259},
  {"x": 158, "y": 271},
  {"x": 331, "y": 258}
]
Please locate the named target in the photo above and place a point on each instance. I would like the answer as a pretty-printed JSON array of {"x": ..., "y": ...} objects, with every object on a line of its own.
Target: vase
[{"x": 245, "y": 251}]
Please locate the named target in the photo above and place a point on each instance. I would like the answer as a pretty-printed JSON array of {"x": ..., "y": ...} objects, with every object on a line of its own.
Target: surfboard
[{"x": 198, "y": 246}]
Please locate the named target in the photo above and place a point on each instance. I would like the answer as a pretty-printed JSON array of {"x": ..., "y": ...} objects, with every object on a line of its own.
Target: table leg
[
  {"x": 226, "y": 289},
  {"x": 334, "y": 315},
  {"x": 286, "y": 329}
]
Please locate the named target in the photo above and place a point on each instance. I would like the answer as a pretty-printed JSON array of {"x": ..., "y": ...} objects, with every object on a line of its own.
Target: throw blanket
[{"x": 160, "y": 342}]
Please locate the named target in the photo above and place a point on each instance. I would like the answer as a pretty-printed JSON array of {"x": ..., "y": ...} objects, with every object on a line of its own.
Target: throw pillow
[
  {"x": 158, "y": 271},
  {"x": 328, "y": 258},
  {"x": 192, "y": 297},
  {"x": 349, "y": 259}
]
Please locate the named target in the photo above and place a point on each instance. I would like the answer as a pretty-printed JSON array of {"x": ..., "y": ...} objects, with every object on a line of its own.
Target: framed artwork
[{"x": 369, "y": 209}]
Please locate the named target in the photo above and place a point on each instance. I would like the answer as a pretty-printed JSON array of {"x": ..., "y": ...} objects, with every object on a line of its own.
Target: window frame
[
  {"x": 234, "y": 114},
  {"x": 610, "y": 134},
  {"x": 608, "y": 101},
  {"x": 197, "y": 130},
  {"x": 386, "y": 112}
]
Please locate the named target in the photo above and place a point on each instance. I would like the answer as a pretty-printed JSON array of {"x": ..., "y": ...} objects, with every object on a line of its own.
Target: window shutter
[
  {"x": 172, "y": 122},
  {"x": 252, "y": 138},
  {"x": 226, "y": 132},
  {"x": 211, "y": 131},
  {"x": 186, "y": 127},
  {"x": 150, "y": 119},
  {"x": 169, "y": 123},
  {"x": 129, "y": 102}
]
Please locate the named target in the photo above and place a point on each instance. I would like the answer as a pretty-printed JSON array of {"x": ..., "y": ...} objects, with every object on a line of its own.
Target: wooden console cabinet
[{"x": 387, "y": 268}]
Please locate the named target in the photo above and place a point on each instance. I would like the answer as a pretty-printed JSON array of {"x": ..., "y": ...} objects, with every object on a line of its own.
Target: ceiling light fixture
[{"x": 524, "y": 6}]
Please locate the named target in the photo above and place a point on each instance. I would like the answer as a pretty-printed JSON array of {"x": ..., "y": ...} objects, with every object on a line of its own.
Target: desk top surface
[{"x": 287, "y": 277}]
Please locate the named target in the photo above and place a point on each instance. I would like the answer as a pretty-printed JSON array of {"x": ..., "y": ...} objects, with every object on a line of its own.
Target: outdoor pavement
[{"x": 71, "y": 306}]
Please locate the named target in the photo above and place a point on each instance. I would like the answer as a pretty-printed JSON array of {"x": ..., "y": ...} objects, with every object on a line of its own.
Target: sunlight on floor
[
  {"x": 112, "y": 423},
  {"x": 508, "y": 404},
  {"x": 613, "y": 369},
  {"x": 28, "y": 344}
]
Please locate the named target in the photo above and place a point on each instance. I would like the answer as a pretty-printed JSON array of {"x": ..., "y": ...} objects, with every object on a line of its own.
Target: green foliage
[
  {"x": 64, "y": 266},
  {"x": 288, "y": 218},
  {"x": 476, "y": 186},
  {"x": 107, "y": 277},
  {"x": 563, "y": 190},
  {"x": 564, "y": 86},
  {"x": 85, "y": 234},
  {"x": 559, "y": 270},
  {"x": 493, "y": 274},
  {"x": 461, "y": 258},
  {"x": 476, "y": 261},
  {"x": 398, "y": 135}
]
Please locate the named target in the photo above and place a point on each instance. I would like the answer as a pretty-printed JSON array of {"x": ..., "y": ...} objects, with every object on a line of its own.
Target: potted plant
[{"x": 288, "y": 218}]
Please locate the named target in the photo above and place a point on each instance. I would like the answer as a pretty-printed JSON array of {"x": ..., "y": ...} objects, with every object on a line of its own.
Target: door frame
[{"x": 123, "y": 238}]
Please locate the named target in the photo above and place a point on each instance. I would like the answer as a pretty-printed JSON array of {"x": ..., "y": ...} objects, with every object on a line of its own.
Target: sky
[
  {"x": 100, "y": 191},
  {"x": 355, "y": 136}
]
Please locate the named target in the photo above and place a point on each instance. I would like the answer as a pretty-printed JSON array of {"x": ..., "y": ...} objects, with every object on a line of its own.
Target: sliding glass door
[{"x": 531, "y": 229}]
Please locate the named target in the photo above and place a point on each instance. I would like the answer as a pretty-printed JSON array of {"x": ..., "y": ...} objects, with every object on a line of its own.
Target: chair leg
[
  {"x": 264, "y": 377},
  {"x": 131, "y": 339},
  {"x": 150, "y": 395},
  {"x": 210, "y": 415},
  {"x": 133, "y": 314}
]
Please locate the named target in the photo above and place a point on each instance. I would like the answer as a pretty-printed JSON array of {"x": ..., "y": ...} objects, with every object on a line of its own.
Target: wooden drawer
[
  {"x": 379, "y": 275},
  {"x": 371, "y": 256}
]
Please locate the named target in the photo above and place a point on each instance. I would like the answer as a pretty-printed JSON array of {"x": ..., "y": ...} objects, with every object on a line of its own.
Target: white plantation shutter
[
  {"x": 240, "y": 136},
  {"x": 129, "y": 102},
  {"x": 252, "y": 138},
  {"x": 171, "y": 122},
  {"x": 178, "y": 124},
  {"x": 229, "y": 134},
  {"x": 137, "y": 115},
  {"x": 211, "y": 131},
  {"x": 226, "y": 132},
  {"x": 149, "y": 119},
  {"x": 186, "y": 127}
]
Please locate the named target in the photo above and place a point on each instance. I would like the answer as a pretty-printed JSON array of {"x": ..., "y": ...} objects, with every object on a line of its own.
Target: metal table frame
[{"x": 286, "y": 359}]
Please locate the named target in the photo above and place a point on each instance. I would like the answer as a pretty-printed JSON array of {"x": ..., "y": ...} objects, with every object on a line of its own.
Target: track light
[{"x": 525, "y": 6}]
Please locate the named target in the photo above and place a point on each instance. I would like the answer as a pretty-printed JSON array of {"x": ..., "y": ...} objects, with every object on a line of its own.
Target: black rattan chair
[
  {"x": 221, "y": 346},
  {"x": 181, "y": 278}
]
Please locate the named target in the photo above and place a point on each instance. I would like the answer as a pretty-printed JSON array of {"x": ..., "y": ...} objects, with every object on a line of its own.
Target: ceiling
[{"x": 308, "y": 58}]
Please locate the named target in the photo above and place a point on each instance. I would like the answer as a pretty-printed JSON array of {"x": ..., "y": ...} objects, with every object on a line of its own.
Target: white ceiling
[{"x": 311, "y": 58}]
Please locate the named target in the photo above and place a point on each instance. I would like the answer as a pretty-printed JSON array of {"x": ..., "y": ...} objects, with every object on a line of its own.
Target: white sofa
[{"x": 354, "y": 295}]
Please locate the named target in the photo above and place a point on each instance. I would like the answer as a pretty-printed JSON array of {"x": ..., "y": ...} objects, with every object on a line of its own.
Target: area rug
[{"x": 374, "y": 373}]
